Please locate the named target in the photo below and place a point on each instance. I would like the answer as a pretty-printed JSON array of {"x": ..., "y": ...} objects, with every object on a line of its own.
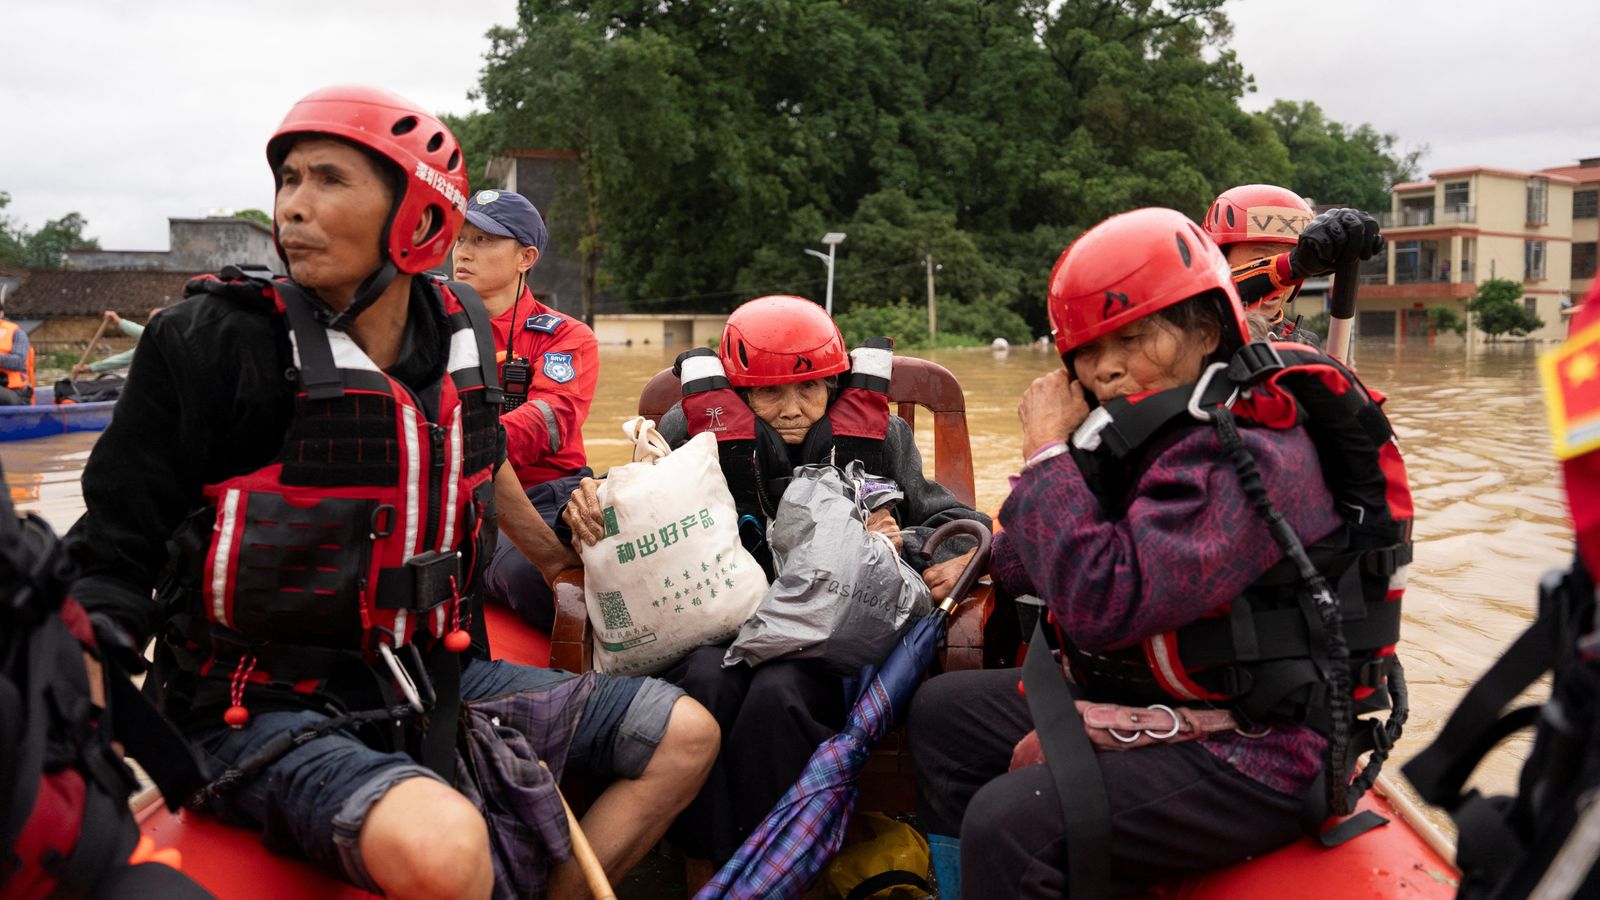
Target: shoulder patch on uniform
[
  {"x": 545, "y": 322},
  {"x": 558, "y": 367}
]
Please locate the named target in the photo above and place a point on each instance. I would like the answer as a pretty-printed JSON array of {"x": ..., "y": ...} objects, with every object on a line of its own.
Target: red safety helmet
[
  {"x": 1131, "y": 266},
  {"x": 1257, "y": 212},
  {"x": 781, "y": 340},
  {"x": 433, "y": 174}
]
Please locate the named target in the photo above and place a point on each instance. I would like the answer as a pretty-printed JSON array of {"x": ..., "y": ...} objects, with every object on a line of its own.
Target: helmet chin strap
[{"x": 365, "y": 295}]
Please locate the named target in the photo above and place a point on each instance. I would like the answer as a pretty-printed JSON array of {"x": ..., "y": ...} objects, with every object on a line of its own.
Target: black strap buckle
[
  {"x": 425, "y": 581},
  {"x": 1386, "y": 561},
  {"x": 1254, "y": 361}
]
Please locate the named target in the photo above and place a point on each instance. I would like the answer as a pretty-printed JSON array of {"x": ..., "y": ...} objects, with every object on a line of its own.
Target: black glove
[{"x": 1334, "y": 237}]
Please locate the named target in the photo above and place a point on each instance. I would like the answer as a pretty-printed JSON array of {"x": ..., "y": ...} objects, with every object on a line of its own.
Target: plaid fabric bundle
[
  {"x": 805, "y": 829},
  {"x": 502, "y": 742}
]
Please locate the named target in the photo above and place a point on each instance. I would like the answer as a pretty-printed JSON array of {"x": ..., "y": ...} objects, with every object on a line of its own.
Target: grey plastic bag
[{"x": 842, "y": 595}]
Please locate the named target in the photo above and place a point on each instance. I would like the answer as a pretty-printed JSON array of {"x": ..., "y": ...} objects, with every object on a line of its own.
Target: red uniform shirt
[{"x": 544, "y": 436}]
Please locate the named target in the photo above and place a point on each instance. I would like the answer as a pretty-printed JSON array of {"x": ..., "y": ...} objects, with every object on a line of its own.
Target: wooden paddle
[
  {"x": 92, "y": 341},
  {"x": 593, "y": 872}
]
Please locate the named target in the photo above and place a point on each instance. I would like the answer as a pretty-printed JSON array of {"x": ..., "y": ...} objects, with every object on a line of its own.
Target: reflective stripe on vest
[{"x": 361, "y": 529}]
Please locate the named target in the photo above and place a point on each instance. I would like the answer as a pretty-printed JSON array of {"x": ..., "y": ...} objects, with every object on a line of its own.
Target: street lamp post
[{"x": 832, "y": 239}]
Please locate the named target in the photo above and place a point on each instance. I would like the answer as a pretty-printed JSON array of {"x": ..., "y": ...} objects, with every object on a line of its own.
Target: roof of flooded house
[{"x": 44, "y": 294}]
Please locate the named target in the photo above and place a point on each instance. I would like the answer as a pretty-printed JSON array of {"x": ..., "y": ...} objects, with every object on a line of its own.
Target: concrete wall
[
  {"x": 206, "y": 245},
  {"x": 198, "y": 245},
  {"x": 644, "y": 330}
]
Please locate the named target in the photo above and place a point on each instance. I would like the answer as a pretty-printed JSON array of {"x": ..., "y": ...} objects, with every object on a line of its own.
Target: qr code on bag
[{"x": 614, "y": 611}]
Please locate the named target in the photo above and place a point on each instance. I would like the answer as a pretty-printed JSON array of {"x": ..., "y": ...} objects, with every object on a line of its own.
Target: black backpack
[
  {"x": 1546, "y": 838},
  {"x": 65, "y": 826},
  {"x": 93, "y": 390}
]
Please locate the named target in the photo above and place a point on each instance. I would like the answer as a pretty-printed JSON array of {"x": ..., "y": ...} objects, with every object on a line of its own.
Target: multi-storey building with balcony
[{"x": 1467, "y": 225}]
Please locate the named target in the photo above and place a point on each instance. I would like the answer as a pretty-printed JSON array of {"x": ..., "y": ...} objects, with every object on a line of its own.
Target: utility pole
[{"x": 933, "y": 315}]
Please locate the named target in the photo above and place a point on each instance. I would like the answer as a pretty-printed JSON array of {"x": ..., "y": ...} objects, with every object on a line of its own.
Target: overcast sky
[{"x": 130, "y": 112}]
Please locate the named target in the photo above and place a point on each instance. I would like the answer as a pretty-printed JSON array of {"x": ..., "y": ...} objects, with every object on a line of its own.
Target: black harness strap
[
  {"x": 1080, "y": 786},
  {"x": 319, "y": 375},
  {"x": 483, "y": 333}
]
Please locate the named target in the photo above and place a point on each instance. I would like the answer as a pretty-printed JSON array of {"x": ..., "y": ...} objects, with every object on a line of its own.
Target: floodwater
[{"x": 1490, "y": 512}]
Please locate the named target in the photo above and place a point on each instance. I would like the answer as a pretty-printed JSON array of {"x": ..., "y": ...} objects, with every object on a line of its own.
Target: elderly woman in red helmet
[
  {"x": 1274, "y": 241},
  {"x": 1141, "y": 304},
  {"x": 321, "y": 455},
  {"x": 781, "y": 391}
]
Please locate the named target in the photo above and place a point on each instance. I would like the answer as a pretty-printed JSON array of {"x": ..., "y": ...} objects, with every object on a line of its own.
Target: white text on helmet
[{"x": 436, "y": 180}]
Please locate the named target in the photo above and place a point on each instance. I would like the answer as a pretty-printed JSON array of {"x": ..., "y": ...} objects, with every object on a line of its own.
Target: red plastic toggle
[
  {"x": 457, "y": 641},
  {"x": 236, "y": 716},
  {"x": 1020, "y": 689}
]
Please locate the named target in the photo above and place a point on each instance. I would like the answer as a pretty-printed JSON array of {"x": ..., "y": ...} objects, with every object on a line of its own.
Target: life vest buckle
[
  {"x": 1385, "y": 561},
  {"x": 1255, "y": 361}
]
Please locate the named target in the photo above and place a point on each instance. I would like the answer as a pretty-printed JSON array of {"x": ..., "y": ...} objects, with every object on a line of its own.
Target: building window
[
  {"x": 1583, "y": 204},
  {"x": 1456, "y": 194},
  {"x": 1407, "y": 266},
  {"x": 1538, "y": 201},
  {"x": 1533, "y": 261},
  {"x": 1531, "y": 305},
  {"x": 1583, "y": 259}
]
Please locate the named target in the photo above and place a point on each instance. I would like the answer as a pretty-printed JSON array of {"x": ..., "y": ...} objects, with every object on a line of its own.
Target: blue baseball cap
[{"x": 508, "y": 215}]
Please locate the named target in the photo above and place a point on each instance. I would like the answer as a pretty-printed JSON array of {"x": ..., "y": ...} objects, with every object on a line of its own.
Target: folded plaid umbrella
[{"x": 801, "y": 834}]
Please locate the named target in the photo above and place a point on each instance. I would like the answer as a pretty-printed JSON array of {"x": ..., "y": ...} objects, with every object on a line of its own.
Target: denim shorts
[{"x": 313, "y": 801}]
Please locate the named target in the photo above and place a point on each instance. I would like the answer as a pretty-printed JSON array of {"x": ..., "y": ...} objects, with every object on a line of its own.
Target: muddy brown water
[{"x": 1490, "y": 512}]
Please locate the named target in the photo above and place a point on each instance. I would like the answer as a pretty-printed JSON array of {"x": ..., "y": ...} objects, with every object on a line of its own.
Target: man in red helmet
[
  {"x": 549, "y": 366},
  {"x": 309, "y": 471},
  {"x": 1254, "y": 223}
]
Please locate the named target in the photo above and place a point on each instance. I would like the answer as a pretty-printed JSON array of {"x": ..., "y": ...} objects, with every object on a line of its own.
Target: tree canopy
[
  {"x": 45, "y": 248},
  {"x": 1497, "y": 309},
  {"x": 716, "y": 139}
]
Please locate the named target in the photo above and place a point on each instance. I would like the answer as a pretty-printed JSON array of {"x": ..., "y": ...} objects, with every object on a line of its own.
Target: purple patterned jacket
[{"x": 1189, "y": 542}]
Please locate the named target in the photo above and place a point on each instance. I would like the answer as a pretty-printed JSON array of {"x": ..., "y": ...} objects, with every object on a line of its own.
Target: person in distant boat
[
  {"x": 549, "y": 367},
  {"x": 1255, "y": 223},
  {"x": 782, "y": 390},
  {"x": 322, "y": 456},
  {"x": 16, "y": 363},
  {"x": 1125, "y": 555},
  {"x": 116, "y": 360}
]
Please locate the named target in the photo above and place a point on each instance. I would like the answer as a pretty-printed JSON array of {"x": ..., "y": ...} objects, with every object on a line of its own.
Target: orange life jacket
[{"x": 15, "y": 380}]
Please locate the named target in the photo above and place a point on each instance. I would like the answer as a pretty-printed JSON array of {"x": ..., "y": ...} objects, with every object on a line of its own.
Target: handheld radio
[{"x": 515, "y": 377}]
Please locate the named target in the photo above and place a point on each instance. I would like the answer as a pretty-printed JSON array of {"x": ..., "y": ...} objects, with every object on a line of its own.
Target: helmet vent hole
[
  {"x": 435, "y": 225},
  {"x": 404, "y": 126},
  {"x": 435, "y": 142},
  {"x": 1230, "y": 217},
  {"x": 744, "y": 360},
  {"x": 1183, "y": 251},
  {"x": 455, "y": 160}
]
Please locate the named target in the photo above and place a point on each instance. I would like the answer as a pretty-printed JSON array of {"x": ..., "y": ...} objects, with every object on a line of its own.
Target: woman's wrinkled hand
[
  {"x": 941, "y": 577},
  {"x": 1051, "y": 409},
  {"x": 882, "y": 521},
  {"x": 582, "y": 514}
]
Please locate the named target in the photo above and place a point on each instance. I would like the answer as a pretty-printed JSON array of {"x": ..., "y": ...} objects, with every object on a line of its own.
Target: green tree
[
  {"x": 1497, "y": 309},
  {"x": 1442, "y": 319},
  {"x": 48, "y": 246},
  {"x": 1332, "y": 162},
  {"x": 13, "y": 238},
  {"x": 255, "y": 215}
]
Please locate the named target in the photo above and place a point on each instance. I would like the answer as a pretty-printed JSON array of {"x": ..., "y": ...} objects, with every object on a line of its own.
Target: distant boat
[{"x": 45, "y": 417}]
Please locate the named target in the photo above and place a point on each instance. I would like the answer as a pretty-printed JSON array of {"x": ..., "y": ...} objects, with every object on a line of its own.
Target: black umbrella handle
[{"x": 976, "y": 568}]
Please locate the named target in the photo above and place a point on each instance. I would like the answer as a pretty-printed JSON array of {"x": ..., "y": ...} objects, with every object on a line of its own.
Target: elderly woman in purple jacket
[{"x": 1142, "y": 303}]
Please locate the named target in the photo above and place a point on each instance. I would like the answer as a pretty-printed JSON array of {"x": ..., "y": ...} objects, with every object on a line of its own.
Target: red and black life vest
[
  {"x": 64, "y": 818},
  {"x": 754, "y": 458},
  {"x": 367, "y": 535},
  {"x": 1266, "y": 653}
]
